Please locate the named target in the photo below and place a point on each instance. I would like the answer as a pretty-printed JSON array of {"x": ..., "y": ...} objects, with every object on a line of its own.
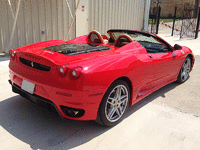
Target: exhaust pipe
[
  {"x": 72, "y": 112},
  {"x": 10, "y": 82}
]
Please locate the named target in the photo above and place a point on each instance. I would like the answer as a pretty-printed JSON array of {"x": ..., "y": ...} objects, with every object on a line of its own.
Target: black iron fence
[
  {"x": 155, "y": 20},
  {"x": 188, "y": 23},
  {"x": 186, "y": 19}
]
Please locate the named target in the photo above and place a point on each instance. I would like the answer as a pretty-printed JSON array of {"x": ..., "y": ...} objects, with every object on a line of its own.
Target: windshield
[{"x": 136, "y": 37}]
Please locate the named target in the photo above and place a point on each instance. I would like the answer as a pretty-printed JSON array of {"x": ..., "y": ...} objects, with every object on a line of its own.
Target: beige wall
[
  {"x": 35, "y": 16},
  {"x": 116, "y": 14},
  {"x": 53, "y": 17}
]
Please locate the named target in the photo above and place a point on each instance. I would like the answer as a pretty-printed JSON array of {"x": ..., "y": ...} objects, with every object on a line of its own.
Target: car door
[
  {"x": 164, "y": 62},
  {"x": 143, "y": 73}
]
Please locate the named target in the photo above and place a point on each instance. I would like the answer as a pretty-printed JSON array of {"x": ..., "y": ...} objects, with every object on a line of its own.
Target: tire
[
  {"x": 185, "y": 70},
  {"x": 114, "y": 104}
]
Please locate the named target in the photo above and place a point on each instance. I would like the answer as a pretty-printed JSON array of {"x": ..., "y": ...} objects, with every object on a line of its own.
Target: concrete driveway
[{"x": 168, "y": 119}]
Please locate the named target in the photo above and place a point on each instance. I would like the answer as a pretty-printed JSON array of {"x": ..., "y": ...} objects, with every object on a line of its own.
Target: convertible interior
[{"x": 120, "y": 38}]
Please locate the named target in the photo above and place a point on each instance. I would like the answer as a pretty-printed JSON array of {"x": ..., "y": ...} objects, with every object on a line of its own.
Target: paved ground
[
  {"x": 168, "y": 119},
  {"x": 184, "y": 97},
  {"x": 165, "y": 33}
]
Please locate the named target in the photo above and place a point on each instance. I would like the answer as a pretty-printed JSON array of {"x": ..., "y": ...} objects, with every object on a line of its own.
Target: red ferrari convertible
[{"x": 96, "y": 77}]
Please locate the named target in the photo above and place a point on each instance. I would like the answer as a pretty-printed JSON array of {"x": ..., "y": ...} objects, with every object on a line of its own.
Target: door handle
[{"x": 150, "y": 56}]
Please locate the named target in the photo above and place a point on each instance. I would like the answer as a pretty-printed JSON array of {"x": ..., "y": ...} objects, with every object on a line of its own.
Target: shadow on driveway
[
  {"x": 159, "y": 93},
  {"x": 42, "y": 129}
]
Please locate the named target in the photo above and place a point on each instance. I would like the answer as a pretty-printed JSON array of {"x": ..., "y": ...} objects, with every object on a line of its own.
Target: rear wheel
[
  {"x": 114, "y": 103},
  {"x": 185, "y": 70}
]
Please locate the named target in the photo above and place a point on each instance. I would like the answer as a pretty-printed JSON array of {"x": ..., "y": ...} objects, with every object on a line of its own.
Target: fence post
[
  {"x": 174, "y": 20},
  {"x": 158, "y": 20},
  {"x": 197, "y": 29},
  {"x": 152, "y": 25},
  {"x": 182, "y": 22}
]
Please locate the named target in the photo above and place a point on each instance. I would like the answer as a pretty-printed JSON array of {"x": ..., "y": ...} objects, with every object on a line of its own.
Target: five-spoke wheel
[
  {"x": 114, "y": 103},
  {"x": 185, "y": 70}
]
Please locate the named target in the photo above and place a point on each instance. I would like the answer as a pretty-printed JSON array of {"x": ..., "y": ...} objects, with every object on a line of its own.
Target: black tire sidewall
[
  {"x": 101, "y": 111},
  {"x": 179, "y": 79}
]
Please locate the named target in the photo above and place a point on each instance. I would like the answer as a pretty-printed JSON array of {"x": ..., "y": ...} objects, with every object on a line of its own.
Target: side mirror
[{"x": 177, "y": 47}]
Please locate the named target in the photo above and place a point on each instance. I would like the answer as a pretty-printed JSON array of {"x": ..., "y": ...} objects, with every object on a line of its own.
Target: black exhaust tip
[
  {"x": 10, "y": 82},
  {"x": 72, "y": 112}
]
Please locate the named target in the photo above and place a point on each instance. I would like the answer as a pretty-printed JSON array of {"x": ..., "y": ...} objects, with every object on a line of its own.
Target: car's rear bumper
[
  {"x": 85, "y": 102},
  {"x": 33, "y": 98}
]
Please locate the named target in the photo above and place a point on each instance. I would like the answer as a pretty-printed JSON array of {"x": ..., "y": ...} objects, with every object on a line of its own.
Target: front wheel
[
  {"x": 185, "y": 70},
  {"x": 114, "y": 103}
]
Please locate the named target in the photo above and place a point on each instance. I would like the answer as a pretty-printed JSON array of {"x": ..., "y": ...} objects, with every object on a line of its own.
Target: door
[
  {"x": 143, "y": 73},
  {"x": 163, "y": 67},
  {"x": 164, "y": 60}
]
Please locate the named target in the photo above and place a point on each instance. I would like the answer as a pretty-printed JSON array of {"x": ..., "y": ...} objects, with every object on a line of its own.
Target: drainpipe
[
  {"x": 146, "y": 19},
  {"x": 73, "y": 19},
  {"x": 14, "y": 24}
]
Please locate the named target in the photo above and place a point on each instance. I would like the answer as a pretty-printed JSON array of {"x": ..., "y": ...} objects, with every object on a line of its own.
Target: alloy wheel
[
  {"x": 116, "y": 103},
  {"x": 185, "y": 70}
]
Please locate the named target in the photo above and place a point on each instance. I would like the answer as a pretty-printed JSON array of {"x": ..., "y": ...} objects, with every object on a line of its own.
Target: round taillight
[
  {"x": 62, "y": 70},
  {"x": 12, "y": 54},
  {"x": 76, "y": 72}
]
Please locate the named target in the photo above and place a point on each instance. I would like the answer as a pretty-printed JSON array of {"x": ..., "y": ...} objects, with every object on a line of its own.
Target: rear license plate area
[{"x": 28, "y": 86}]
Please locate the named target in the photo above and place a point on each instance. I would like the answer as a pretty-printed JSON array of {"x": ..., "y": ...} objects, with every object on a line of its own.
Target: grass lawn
[{"x": 164, "y": 20}]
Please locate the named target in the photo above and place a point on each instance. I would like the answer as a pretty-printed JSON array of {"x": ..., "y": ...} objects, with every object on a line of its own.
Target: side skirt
[{"x": 146, "y": 93}]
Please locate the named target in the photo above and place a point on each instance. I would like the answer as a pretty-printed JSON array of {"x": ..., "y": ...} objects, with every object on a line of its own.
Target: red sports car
[{"x": 96, "y": 77}]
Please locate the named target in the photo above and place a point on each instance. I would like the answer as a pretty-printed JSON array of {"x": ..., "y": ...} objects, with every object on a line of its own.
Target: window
[{"x": 152, "y": 44}]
